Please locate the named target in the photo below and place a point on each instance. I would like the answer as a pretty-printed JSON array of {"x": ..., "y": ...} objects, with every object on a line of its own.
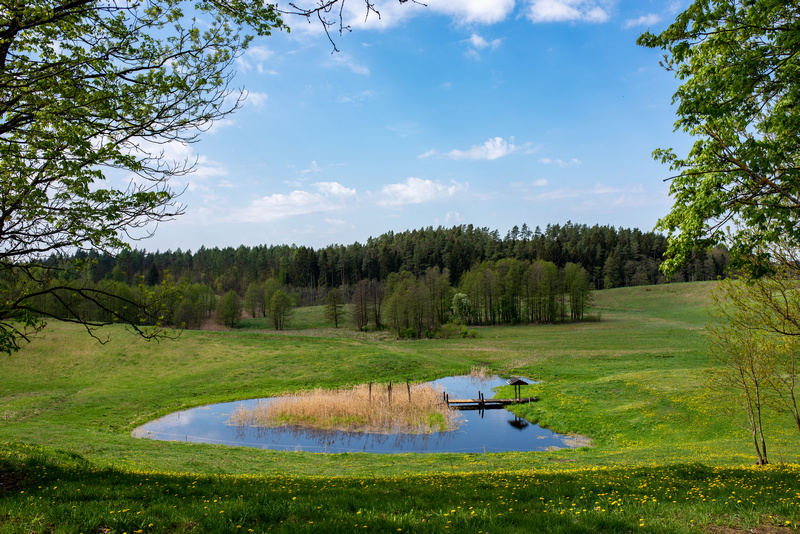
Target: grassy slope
[{"x": 630, "y": 381}]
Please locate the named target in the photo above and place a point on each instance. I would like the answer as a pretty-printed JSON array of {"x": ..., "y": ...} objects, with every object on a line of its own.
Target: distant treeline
[
  {"x": 611, "y": 257},
  {"x": 418, "y": 283}
]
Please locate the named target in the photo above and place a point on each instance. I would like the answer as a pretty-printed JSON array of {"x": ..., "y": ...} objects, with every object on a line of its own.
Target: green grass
[
  {"x": 310, "y": 317},
  {"x": 631, "y": 382}
]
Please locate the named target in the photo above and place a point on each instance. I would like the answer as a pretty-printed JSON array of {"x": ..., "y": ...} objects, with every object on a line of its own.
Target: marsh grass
[
  {"x": 480, "y": 372},
  {"x": 374, "y": 408}
]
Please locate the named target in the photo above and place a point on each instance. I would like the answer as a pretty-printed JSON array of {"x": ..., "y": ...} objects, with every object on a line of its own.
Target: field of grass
[{"x": 663, "y": 459}]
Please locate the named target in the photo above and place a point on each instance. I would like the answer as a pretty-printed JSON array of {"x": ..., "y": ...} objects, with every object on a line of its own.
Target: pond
[{"x": 491, "y": 430}]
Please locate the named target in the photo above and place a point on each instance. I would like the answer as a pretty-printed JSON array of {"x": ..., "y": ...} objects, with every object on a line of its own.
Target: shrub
[
  {"x": 408, "y": 333},
  {"x": 449, "y": 330}
]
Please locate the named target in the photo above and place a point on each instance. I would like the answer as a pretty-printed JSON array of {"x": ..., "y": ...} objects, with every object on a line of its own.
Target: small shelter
[{"x": 517, "y": 382}]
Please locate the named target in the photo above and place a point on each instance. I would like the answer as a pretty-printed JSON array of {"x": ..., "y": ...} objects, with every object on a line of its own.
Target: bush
[
  {"x": 408, "y": 333},
  {"x": 446, "y": 331}
]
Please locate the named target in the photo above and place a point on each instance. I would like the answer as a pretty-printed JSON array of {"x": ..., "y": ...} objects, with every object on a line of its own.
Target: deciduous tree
[
  {"x": 281, "y": 311},
  {"x": 576, "y": 283},
  {"x": 741, "y": 365},
  {"x": 334, "y": 307},
  {"x": 271, "y": 286},
  {"x": 771, "y": 305},
  {"x": 360, "y": 305},
  {"x": 229, "y": 309},
  {"x": 91, "y": 88},
  {"x": 461, "y": 308},
  {"x": 254, "y": 299},
  {"x": 739, "y": 184},
  {"x": 95, "y": 89}
]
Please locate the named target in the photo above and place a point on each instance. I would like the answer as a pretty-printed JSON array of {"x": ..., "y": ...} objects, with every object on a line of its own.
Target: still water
[{"x": 495, "y": 430}]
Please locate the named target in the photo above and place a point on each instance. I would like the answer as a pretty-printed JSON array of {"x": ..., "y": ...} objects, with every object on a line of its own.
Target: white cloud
[
  {"x": 540, "y": 182},
  {"x": 203, "y": 185},
  {"x": 179, "y": 156},
  {"x": 417, "y": 191},
  {"x": 314, "y": 168},
  {"x": 599, "y": 198},
  {"x": 259, "y": 53},
  {"x": 357, "y": 98},
  {"x": 494, "y": 148},
  {"x": 204, "y": 170},
  {"x": 462, "y": 12},
  {"x": 473, "y": 11},
  {"x": 452, "y": 217},
  {"x": 560, "y": 162},
  {"x": 569, "y": 10},
  {"x": 346, "y": 61},
  {"x": 218, "y": 124},
  {"x": 472, "y": 54},
  {"x": 644, "y": 20},
  {"x": 476, "y": 43},
  {"x": 274, "y": 207},
  {"x": 480, "y": 43},
  {"x": 466, "y": 12},
  {"x": 255, "y": 98},
  {"x": 277, "y": 206},
  {"x": 334, "y": 189},
  {"x": 254, "y": 58}
]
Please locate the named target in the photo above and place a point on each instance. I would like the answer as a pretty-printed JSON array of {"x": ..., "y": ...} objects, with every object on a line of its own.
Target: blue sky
[{"x": 493, "y": 113}]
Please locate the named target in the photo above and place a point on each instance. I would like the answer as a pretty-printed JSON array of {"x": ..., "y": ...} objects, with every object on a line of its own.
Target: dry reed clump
[
  {"x": 479, "y": 372},
  {"x": 356, "y": 410}
]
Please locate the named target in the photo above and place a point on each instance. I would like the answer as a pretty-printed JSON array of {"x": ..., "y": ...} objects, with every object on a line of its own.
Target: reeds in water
[
  {"x": 364, "y": 408},
  {"x": 480, "y": 372}
]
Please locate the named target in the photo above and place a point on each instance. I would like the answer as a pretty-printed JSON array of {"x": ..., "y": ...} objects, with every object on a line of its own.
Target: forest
[{"x": 413, "y": 282}]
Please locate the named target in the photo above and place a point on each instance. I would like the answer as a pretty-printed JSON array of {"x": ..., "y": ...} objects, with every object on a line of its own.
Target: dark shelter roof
[{"x": 516, "y": 381}]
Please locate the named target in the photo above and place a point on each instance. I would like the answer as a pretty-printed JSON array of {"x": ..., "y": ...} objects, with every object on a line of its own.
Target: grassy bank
[{"x": 630, "y": 382}]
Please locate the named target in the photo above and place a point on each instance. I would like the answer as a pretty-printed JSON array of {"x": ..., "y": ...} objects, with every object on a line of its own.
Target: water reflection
[
  {"x": 486, "y": 430},
  {"x": 317, "y": 440},
  {"x": 519, "y": 423}
]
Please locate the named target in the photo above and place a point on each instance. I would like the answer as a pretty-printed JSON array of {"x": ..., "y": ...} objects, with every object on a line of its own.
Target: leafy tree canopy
[
  {"x": 89, "y": 88},
  {"x": 91, "y": 92},
  {"x": 229, "y": 309},
  {"x": 739, "y": 63}
]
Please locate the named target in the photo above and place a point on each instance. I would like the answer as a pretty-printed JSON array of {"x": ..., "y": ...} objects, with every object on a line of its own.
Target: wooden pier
[{"x": 482, "y": 403}]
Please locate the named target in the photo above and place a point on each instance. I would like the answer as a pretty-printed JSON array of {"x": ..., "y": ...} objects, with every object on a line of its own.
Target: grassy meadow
[{"x": 663, "y": 459}]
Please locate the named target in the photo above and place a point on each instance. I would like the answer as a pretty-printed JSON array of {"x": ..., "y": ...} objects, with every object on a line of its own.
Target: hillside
[{"x": 630, "y": 381}]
